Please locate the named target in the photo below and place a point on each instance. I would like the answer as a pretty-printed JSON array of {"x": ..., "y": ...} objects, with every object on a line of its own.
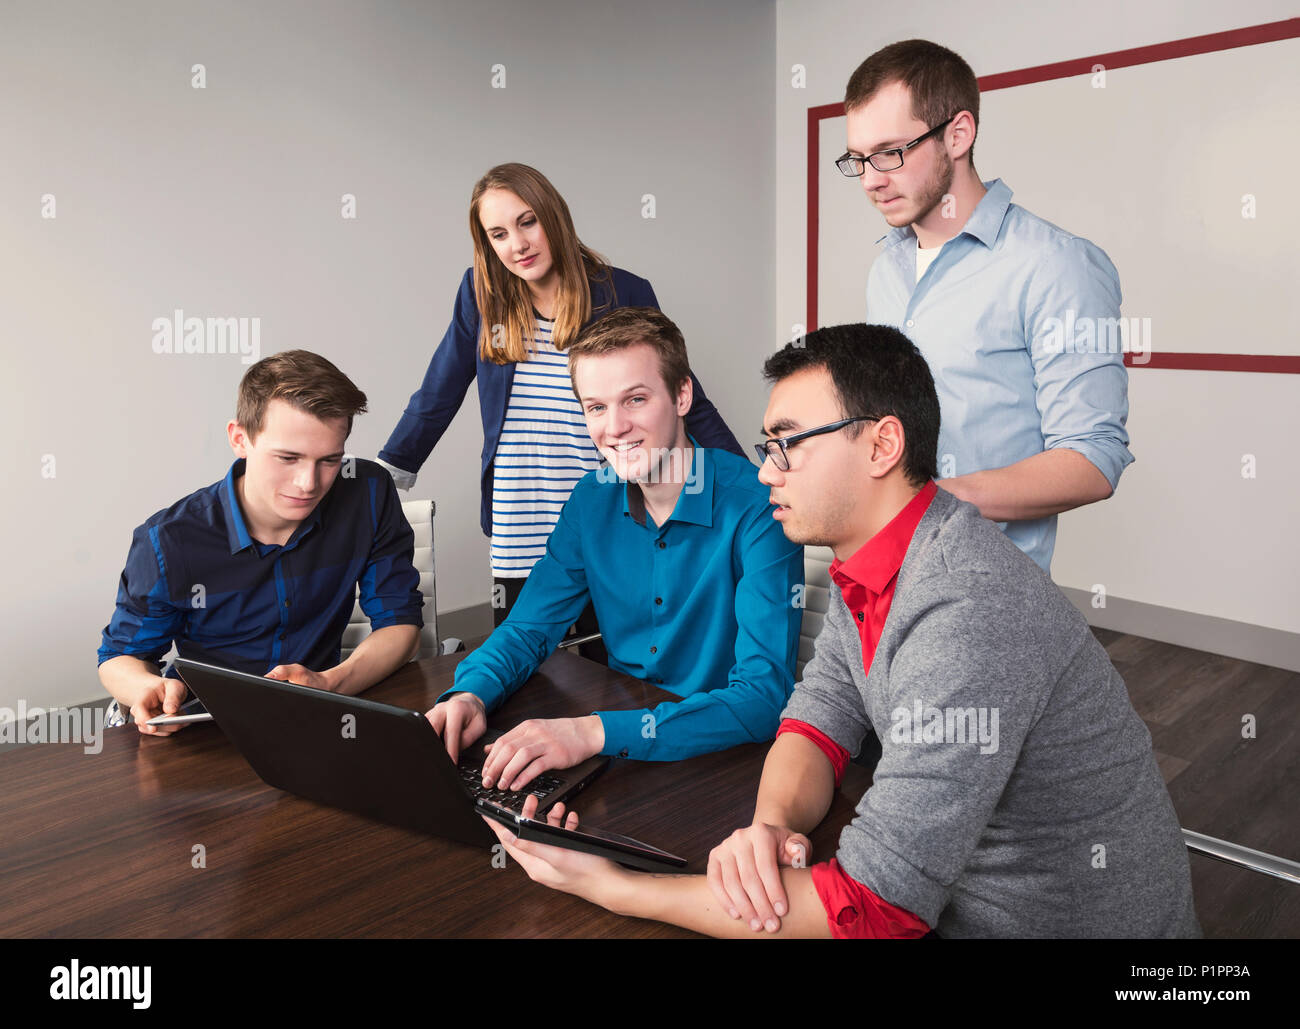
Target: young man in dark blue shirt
[{"x": 259, "y": 571}]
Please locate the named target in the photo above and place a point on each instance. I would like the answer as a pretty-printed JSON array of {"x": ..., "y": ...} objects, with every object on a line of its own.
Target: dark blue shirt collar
[{"x": 237, "y": 529}]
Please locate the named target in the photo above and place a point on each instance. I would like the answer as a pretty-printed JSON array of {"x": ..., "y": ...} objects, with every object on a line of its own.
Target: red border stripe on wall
[{"x": 1284, "y": 363}]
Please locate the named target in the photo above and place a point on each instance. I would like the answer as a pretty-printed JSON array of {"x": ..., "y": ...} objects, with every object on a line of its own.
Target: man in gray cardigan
[{"x": 1017, "y": 793}]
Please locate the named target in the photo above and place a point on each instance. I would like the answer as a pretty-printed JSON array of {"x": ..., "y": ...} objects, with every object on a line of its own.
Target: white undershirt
[{"x": 924, "y": 258}]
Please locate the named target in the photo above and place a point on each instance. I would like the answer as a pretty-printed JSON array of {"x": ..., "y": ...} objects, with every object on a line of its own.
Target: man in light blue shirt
[
  {"x": 694, "y": 584},
  {"x": 1018, "y": 319}
]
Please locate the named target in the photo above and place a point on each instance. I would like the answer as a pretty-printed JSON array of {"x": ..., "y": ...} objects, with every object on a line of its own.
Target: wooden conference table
[{"x": 106, "y": 845}]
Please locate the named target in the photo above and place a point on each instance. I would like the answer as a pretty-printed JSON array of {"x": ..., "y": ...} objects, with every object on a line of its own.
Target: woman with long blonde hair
[{"x": 532, "y": 288}]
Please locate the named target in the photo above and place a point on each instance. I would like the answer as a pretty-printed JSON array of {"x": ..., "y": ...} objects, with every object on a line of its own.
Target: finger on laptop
[
  {"x": 437, "y": 717},
  {"x": 452, "y": 729},
  {"x": 556, "y": 817}
]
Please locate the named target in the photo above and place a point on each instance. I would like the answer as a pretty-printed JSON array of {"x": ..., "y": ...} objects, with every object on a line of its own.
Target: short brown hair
[
  {"x": 626, "y": 327},
  {"x": 940, "y": 82},
  {"x": 305, "y": 380}
]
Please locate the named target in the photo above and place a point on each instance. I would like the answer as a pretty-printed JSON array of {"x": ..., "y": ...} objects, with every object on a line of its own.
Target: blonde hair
[{"x": 504, "y": 298}]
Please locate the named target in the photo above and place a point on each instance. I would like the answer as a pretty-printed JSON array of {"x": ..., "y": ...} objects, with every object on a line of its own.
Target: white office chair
[
  {"x": 816, "y": 598},
  {"x": 419, "y": 513}
]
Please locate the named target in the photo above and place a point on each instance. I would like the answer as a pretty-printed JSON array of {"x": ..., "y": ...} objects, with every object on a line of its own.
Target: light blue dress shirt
[
  {"x": 1018, "y": 322},
  {"x": 707, "y": 606}
]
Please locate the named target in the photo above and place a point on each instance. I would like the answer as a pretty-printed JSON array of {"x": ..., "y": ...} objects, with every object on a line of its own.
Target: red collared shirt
[{"x": 866, "y": 581}]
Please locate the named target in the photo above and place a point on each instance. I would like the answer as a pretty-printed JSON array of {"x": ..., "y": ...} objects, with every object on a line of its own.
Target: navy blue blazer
[{"x": 456, "y": 363}]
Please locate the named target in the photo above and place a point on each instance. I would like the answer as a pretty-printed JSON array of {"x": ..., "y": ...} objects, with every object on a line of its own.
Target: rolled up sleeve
[
  {"x": 827, "y": 697},
  {"x": 1081, "y": 384}
]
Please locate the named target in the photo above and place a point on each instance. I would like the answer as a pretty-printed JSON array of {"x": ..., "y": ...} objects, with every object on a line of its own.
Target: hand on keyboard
[
  {"x": 539, "y": 744},
  {"x": 538, "y": 790}
]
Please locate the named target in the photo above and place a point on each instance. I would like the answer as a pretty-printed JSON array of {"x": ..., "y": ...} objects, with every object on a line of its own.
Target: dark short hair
[
  {"x": 628, "y": 326},
  {"x": 298, "y": 377},
  {"x": 876, "y": 371},
  {"x": 940, "y": 82}
]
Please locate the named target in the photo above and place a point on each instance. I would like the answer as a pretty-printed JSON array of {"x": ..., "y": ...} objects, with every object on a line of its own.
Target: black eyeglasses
[
  {"x": 776, "y": 448},
  {"x": 882, "y": 160}
]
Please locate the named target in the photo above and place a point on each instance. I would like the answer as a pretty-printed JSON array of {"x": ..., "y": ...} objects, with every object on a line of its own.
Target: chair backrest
[
  {"x": 816, "y": 599},
  {"x": 419, "y": 513}
]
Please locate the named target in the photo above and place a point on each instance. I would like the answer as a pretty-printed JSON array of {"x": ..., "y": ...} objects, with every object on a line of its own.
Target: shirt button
[
  {"x": 662, "y": 544},
  {"x": 654, "y": 650},
  {"x": 286, "y": 603},
  {"x": 659, "y": 600},
  {"x": 860, "y": 616},
  {"x": 909, "y": 323},
  {"x": 282, "y": 636}
]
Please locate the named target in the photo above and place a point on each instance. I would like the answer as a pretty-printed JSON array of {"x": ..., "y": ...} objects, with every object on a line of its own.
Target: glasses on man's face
[
  {"x": 853, "y": 165},
  {"x": 776, "y": 448}
]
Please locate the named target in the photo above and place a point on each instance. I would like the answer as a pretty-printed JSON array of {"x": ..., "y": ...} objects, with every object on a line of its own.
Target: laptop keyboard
[{"x": 541, "y": 787}]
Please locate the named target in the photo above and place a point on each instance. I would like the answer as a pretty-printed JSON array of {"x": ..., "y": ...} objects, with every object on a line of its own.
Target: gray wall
[{"x": 225, "y": 202}]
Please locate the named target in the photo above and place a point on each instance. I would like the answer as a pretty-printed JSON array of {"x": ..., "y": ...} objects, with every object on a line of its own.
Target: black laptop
[{"x": 381, "y": 761}]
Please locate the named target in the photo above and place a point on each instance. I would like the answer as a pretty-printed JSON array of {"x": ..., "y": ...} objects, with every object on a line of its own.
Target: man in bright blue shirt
[
  {"x": 259, "y": 571},
  {"x": 1018, "y": 319},
  {"x": 694, "y": 584}
]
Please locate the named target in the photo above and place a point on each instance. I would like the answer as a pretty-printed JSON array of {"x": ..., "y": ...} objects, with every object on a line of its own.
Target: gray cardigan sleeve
[{"x": 828, "y": 697}]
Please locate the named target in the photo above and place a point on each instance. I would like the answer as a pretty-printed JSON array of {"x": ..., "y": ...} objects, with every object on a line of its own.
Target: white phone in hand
[{"x": 191, "y": 711}]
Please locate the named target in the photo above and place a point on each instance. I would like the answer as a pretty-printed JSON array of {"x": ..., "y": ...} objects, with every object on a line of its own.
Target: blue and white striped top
[{"x": 543, "y": 451}]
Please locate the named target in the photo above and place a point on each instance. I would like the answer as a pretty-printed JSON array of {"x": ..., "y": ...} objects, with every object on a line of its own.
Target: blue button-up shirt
[
  {"x": 1018, "y": 321},
  {"x": 195, "y": 576},
  {"x": 706, "y": 605}
]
